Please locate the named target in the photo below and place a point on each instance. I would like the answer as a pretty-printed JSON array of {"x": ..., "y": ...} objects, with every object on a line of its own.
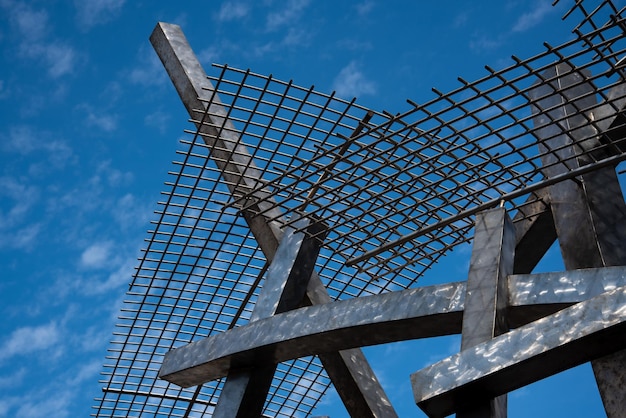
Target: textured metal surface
[
  {"x": 405, "y": 186},
  {"x": 246, "y": 389},
  {"x": 415, "y": 313},
  {"x": 383, "y": 318},
  {"x": 534, "y": 231},
  {"x": 570, "y": 337},
  {"x": 589, "y": 213},
  {"x": 484, "y": 314}
]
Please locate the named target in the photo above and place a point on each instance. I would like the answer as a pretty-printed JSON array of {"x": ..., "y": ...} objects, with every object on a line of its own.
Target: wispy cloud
[
  {"x": 24, "y": 140},
  {"x": 533, "y": 17},
  {"x": 18, "y": 198},
  {"x": 58, "y": 57},
  {"x": 484, "y": 42},
  {"x": 99, "y": 118},
  {"x": 148, "y": 70},
  {"x": 96, "y": 12},
  {"x": 27, "y": 340},
  {"x": 287, "y": 14},
  {"x": 96, "y": 255},
  {"x": 365, "y": 7},
  {"x": 158, "y": 120},
  {"x": 36, "y": 42},
  {"x": 232, "y": 10},
  {"x": 351, "y": 82}
]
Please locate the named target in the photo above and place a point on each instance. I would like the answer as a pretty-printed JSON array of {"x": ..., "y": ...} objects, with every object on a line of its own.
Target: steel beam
[
  {"x": 246, "y": 389},
  {"x": 239, "y": 171},
  {"x": 534, "y": 231},
  {"x": 589, "y": 213},
  {"x": 484, "y": 315},
  {"x": 570, "y": 337},
  {"x": 397, "y": 316}
]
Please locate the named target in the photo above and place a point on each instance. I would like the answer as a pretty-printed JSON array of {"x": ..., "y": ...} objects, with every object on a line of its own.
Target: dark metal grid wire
[
  {"x": 402, "y": 192},
  {"x": 201, "y": 270}
]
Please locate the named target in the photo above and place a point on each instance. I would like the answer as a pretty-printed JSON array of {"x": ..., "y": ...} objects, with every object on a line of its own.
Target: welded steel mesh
[{"x": 397, "y": 192}]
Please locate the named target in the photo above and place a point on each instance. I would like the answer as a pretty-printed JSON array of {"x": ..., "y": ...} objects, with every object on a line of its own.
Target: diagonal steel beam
[
  {"x": 354, "y": 380},
  {"x": 246, "y": 389}
]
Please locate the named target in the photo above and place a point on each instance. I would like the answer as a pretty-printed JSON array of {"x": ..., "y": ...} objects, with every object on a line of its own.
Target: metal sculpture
[{"x": 299, "y": 223}]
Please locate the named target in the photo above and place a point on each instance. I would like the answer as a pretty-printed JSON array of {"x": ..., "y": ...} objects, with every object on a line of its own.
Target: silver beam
[
  {"x": 246, "y": 389},
  {"x": 589, "y": 213},
  {"x": 410, "y": 314},
  {"x": 414, "y": 313},
  {"x": 486, "y": 297},
  {"x": 189, "y": 79},
  {"x": 534, "y": 231},
  {"x": 570, "y": 337}
]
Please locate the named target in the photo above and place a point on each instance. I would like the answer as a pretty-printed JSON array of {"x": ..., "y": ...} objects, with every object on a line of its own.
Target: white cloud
[
  {"x": 23, "y": 196},
  {"x": 26, "y": 340},
  {"x": 351, "y": 82},
  {"x": 484, "y": 43},
  {"x": 365, "y": 7},
  {"x": 24, "y": 141},
  {"x": 158, "y": 120},
  {"x": 232, "y": 10},
  {"x": 287, "y": 14},
  {"x": 533, "y": 17},
  {"x": 60, "y": 58},
  {"x": 96, "y": 12},
  {"x": 32, "y": 26},
  {"x": 206, "y": 56},
  {"x": 96, "y": 255},
  {"x": 56, "y": 406},
  {"x": 12, "y": 380},
  {"x": 148, "y": 71},
  {"x": 102, "y": 121},
  {"x": 26, "y": 237}
]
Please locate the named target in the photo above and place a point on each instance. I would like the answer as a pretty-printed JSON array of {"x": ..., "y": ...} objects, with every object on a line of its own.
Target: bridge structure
[{"x": 297, "y": 224}]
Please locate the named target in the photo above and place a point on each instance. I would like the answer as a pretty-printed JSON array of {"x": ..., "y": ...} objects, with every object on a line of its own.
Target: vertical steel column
[
  {"x": 349, "y": 371},
  {"x": 245, "y": 391},
  {"x": 589, "y": 212},
  {"x": 486, "y": 298}
]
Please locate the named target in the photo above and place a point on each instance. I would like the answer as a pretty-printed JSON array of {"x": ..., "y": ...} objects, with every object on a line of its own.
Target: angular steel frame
[{"x": 515, "y": 327}]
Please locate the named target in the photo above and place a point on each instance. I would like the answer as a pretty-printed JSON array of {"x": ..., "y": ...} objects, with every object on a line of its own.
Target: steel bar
[
  {"x": 422, "y": 312},
  {"x": 195, "y": 89},
  {"x": 245, "y": 390},
  {"x": 570, "y": 337},
  {"x": 484, "y": 313}
]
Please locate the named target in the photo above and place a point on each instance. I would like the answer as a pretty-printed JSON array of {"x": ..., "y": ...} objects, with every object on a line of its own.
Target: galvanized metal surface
[
  {"x": 246, "y": 389},
  {"x": 484, "y": 313},
  {"x": 415, "y": 313},
  {"x": 570, "y": 337}
]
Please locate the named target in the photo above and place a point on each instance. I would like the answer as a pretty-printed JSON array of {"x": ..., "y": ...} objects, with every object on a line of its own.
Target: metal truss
[{"x": 386, "y": 196}]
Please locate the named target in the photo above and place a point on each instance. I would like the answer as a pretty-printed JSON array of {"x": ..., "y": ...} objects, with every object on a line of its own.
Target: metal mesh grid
[
  {"x": 400, "y": 193},
  {"x": 201, "y": 271}
]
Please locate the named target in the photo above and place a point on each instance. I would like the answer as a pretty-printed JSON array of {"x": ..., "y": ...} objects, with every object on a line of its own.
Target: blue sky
[{"x": 90, "y": 124}]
